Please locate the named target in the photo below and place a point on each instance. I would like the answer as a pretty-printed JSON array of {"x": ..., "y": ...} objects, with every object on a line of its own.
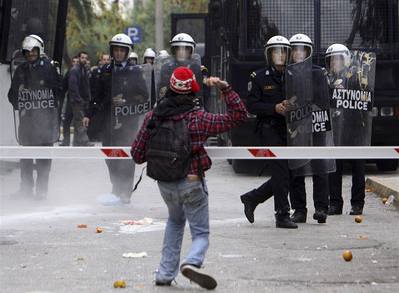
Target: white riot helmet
[
  {"x": 133, "y": 55},
  {"x": 149, "y": 53},
  {"x": 338, "y": 57},
  {"x": 33, "y": 41},
  {"x": 182, "y": 46},
  {"x": 301, "y": 43},
  {"x": 163, "y": 53},
  {"x": 121, "y": 40},
  {"x": 277, "y": 51}
]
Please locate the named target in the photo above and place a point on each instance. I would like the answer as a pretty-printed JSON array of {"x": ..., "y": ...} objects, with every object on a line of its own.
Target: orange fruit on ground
[
  {"x": 99, "y": 230},
  {"x": 358, "y": 219},
  {"x": 119, "y": 284},
  {"x": 347, "y": 255},
  {"x": 82, "y": 226}
]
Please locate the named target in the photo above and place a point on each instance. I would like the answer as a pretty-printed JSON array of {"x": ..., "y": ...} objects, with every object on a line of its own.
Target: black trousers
[
  {"x": 66, "y": 125},
  {"x": 278, "y": 184},
  {"x": 121, "y": 173},
  {"x": 43, "y": 167},
  {"x": 320, "y": 192},
  {"x": 358, "y": 183}
]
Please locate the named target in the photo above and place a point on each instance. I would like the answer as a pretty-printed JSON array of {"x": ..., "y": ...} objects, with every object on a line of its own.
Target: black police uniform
[
  {"x": 266, "y": 91},
  {"x": 121, "y": 171},
  {"x": 320, "y": 181},
  {"x": 35, "y": 91}
]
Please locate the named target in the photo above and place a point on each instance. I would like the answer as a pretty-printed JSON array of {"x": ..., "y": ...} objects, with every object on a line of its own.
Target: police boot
[
  {"x": 320, "y": 216},
  {"x": 356, "y": 210},
  {"x": 299, "y": 216},
  {"x": 283, "y": 220},
  {"x": 334, "y": 210},
  {"x": 249, "y": 207}
]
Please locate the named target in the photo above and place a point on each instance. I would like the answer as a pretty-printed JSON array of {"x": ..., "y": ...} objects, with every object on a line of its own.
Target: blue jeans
[{"x": 185, "y": 200}]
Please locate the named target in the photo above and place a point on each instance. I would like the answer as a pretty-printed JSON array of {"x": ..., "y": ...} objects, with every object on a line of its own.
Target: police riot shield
[
  {"x": 322, "y": 132},
  {"x": 299, "y": 93},
  {"x": 38, "y": 88},
  {"x": 351, "y": 97},
  {"x": 131, "y": 99},
  {"x": 164, "y": 67}
]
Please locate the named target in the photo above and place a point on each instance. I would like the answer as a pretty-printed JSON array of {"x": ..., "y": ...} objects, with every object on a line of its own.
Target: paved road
[{"x": 42, "y": 250}]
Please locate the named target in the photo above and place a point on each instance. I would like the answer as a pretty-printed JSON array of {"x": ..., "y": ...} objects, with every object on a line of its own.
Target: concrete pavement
[{"x": 42, "y": 250}]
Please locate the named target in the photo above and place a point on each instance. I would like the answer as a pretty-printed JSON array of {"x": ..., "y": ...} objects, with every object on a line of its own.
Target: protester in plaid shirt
[{"x": 188, "y": 198}]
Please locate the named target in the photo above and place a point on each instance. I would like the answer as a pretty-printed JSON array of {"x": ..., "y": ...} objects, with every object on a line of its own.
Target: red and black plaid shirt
[{"x": 201, "y": 125}]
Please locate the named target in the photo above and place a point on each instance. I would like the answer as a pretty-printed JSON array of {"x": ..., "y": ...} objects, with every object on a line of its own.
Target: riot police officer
[
  {"x": 352, "y": 128},
  {"x": 149, "y": 56},
  {"x": 301, "y": 52},
  {"x": 35, "y": 91},
  {"x": 266, "y": 100},
  {"x": 133, "y": 58},
  {"x": 123, "y": 96},
  {"x": 182, "y": 54}
]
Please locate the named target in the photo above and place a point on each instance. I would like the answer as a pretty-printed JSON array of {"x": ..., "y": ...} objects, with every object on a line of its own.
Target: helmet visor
[
  {"x": 299, "y": 53},
  {"x": 335, "y": 64},
  {"x": 182, "y": 53},
  {"x": 277, "y": 55}
]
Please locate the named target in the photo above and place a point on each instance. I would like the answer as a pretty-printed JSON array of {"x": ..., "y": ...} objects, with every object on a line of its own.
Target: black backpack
[{"x": 168, "y": 150}]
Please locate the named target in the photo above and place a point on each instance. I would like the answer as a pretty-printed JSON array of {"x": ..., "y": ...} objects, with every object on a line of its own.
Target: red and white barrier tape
[{"x": 386, "y": 152}]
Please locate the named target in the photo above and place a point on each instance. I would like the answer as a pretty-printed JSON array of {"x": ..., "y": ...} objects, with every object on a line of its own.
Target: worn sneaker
[{"x": 193, "y": 274}]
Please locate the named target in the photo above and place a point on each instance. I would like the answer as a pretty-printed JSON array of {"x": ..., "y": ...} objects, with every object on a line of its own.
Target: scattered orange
[
  {"x": 119, "y": 284},
  {"x": 358, "y": 219},
  {"x": 82, "y": 226},
  {"x": 362, "y": 237},
  {"x": 99, "y": 230},
  {"x": 347, "y": 255}
]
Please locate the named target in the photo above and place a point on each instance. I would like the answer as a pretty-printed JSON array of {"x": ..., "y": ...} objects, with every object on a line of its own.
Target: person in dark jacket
[
  {"x": 79, "y": 96},
  {"x": 66, "y": 111},
  {"x": 188, "y": 198},
  {"x": 267, "y": 101}
]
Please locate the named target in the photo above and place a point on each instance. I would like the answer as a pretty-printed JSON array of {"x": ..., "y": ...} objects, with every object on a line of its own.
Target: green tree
[
  {"x": 90, "y": 30},
  {"x": 90, "y": 27},
  {"x": 144, "y": 16}
]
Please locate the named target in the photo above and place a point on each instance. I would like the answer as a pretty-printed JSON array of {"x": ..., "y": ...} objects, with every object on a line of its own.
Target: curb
[{"x": 382, "y": 189}]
